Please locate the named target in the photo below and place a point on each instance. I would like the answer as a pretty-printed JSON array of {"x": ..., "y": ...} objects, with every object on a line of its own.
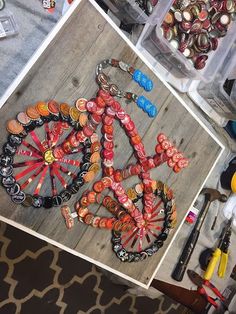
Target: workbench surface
[{"x": 66, "y": 71}]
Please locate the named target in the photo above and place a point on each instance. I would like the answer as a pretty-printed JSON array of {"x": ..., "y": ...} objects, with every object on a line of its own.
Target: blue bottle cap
[
  {"x": 143, "y": 81},
  {"x": 141, "y": 102},
  {"x": 152, "y": 112},
  {"x": 148, "y": 86},
  {"x": 148, "y": 105},
  {"x": 137, "y": 76}
]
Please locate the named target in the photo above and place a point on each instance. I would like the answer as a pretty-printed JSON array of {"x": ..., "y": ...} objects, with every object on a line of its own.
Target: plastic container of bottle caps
[
  {"x": 212, "y": 97},
  {"x": 128, "y": 11},
  {"x": 178, "y": 69}
]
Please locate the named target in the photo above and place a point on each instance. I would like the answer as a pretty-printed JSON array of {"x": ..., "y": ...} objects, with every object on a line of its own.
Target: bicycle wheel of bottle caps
[
  {"x": 38, "y": 167},
  {"x": 145, "y": 238}
]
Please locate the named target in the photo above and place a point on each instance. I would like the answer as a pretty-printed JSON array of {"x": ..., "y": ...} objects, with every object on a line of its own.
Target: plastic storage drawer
[
  {"x": 212, "y": 97},
  {"x": 173, "y": 60}
]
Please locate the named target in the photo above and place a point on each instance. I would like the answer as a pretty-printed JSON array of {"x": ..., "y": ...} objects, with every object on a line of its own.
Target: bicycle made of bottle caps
[{"x": 53, "y": 149}]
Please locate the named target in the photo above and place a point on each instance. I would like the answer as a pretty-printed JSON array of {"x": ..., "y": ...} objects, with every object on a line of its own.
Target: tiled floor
[{"x": 36, "y": 277}]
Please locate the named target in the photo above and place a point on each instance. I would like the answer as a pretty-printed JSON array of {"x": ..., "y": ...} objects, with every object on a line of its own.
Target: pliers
[
  {"x": 200, "y": 282},
  {"x": 209, "y": 258}
]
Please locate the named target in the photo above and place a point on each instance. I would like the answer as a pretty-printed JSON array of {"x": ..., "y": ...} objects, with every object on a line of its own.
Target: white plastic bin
[
  {"x": 212, "y": 97},
  {"x": 179, "y": 70}
]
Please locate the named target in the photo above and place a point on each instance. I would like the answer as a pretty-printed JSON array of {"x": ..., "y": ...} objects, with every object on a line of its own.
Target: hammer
[{"x": 210, "y": 196}]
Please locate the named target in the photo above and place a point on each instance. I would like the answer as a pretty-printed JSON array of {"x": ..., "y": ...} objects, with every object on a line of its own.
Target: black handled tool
[{"x": 210, "y": 196}]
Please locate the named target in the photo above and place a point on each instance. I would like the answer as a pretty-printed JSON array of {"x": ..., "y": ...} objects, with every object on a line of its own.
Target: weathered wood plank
[{"x": 66, "y": 71}]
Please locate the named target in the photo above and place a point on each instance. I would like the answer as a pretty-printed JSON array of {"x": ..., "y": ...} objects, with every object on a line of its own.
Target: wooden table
[{"x": 64, "y": 69}]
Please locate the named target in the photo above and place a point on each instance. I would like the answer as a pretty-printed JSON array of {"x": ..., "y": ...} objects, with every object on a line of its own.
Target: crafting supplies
[
  {"x": 200, "y": 283},
  {"x": 210, "y": 196},
  {"x": 195, "y": 27}
]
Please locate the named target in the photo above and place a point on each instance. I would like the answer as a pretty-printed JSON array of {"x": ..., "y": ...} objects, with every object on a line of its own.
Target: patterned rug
[{"x": 36, "y": 277}]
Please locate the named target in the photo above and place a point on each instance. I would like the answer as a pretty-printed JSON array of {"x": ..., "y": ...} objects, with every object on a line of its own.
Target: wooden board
[{"x": 65, "y": 71}]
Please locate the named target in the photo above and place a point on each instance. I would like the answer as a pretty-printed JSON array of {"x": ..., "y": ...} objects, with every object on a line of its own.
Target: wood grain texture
[{"x": 66, "y": 71}]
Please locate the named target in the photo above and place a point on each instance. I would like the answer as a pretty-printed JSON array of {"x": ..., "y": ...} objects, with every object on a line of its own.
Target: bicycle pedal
[{"x": 68, "y": 216}]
